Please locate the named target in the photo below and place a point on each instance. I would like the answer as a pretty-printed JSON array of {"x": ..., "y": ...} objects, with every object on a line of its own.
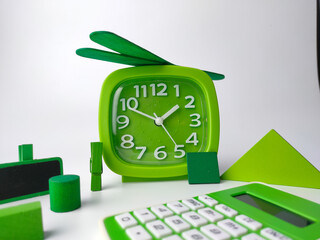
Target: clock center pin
[{"x": 158, "y": 121}]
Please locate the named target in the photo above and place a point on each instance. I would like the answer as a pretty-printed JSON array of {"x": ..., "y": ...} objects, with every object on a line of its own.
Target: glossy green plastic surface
[
  {"x": 297, "y": 205},
  {"x": 144, "y": 131},
  {"x": 126, "y": 52}
]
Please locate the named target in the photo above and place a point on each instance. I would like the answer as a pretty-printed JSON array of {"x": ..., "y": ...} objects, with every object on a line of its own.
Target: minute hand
[{"x": 172, "y": 110}]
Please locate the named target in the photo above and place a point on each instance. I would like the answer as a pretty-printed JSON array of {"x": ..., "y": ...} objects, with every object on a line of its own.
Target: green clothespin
[
  {"x": 126, "y": 52},
  {"x": 25, "y": 152},
  {"x": 96, "y": 165}
]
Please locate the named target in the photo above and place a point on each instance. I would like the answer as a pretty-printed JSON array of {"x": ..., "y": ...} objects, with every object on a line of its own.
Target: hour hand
[
  {"x": 141, "y": 113},
  {"x": 172, "y": 110}
]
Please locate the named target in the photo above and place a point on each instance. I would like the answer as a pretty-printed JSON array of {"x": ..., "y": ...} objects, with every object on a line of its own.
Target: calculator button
[
  {"x": 177, "y": 223},
  {"x": 138, "y": 233},
  {"x": 273, "y": 234},
  {"x": 226, "y": 210},
  {"x": 208, "y": 200},
  {"x": 173, "y": 237},
  {"x": 159, "y": 229},
  {"x": 252, "y": 236},
  {"x": 161, "y": 211},
  {"x": 193, "y": 235},
  {"x": 248, "y": 222},
  {"x": 144, "y": 215},
  {"x": 192, "y": 203},
  {"x": 210, "y": 214},
  {"x": 126, "y": 220},
  {"x": 195, "y": 219},
  {"x": 178, "y": 207},
  {"x": 215, "y": 232},
  {"x": 232, "y": 227}
]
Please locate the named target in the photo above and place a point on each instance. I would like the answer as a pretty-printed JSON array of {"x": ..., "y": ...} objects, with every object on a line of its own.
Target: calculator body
[{"x": 280, "y": 215}]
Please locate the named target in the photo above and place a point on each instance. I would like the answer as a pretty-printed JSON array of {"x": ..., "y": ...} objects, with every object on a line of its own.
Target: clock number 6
[{"x": 157, "y": 153}]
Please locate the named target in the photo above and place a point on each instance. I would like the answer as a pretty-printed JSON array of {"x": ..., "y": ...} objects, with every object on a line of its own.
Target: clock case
[
  {"x": 133, "y": 172},
  {"x": 146, "y": 64}
]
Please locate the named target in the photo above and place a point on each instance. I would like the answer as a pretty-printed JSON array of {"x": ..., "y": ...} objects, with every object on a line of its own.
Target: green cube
[
  {"x": 203, "y": 167},
  {"x": 22, "y": 222}
]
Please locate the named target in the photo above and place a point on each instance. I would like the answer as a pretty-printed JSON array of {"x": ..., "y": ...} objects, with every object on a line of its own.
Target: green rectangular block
[
  {"x": 203, "y": 167},
  {"x": 22, "y": 222}
]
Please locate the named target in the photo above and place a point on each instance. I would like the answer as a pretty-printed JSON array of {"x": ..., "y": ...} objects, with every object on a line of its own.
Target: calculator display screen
[{"x": 274, "y": 210}]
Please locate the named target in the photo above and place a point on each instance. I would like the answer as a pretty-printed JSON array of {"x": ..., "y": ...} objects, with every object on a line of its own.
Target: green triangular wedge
[{"x": 273, "y": 160}]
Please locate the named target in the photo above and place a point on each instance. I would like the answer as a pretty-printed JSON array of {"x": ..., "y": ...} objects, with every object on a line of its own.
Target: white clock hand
[
  {"x": 172, "y": 110},
  {"x": 141, "y": 113},
  {"x": 159, "y": 121}
]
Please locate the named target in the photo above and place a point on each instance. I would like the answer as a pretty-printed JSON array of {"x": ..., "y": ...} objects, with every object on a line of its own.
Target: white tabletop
[{"x": 117, "y": 197}]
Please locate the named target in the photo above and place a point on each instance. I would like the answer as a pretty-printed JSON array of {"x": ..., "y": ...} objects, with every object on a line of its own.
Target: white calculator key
[
  {"x": 215, "y": 232},
  {"x": 226, "y": 210},
  {"x": 161, "y": 211},
  {"x": 208, "y": 200},
  {"x": 210, "y": 214},
  {"x": 178, "y": 207},
  {"x": 195, "y": 219},
  {"x": 173, "y": 237},
  {"x": 248, "y": 222},
  {"x": 177, "y": 223},
  {"x": 193, "y": 235},
  {"x": 144, "y": 215},
  {"x": 252, "y": 236},
  {"x": 232, "y": 227},
  {"x": 273, "y": 234},
  {"x": 138, "y": 233},
  {"x": 126, "y": 220},
  {"x": 193, "y": 203},
  {"x": 159, "y": 229}
]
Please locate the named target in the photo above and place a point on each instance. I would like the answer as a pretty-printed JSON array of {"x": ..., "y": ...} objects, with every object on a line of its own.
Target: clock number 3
[{"x": 196, "y": 120}]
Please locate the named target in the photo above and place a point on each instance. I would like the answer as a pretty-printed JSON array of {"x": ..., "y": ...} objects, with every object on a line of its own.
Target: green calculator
[{"x": 249, "y": 212}]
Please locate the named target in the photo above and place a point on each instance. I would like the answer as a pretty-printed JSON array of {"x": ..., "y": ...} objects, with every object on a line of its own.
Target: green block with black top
[
  {"x": 22, "y": 222},
  {"x": 27, "y": 178},
  {"x": 203, "y": 167}
]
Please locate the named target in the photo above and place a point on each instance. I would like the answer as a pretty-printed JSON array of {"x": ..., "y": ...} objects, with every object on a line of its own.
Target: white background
[{"x": 49, "y": 96}]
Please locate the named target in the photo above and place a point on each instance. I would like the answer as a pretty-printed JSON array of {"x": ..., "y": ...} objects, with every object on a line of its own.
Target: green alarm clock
[{"x": 151, "y": 115}]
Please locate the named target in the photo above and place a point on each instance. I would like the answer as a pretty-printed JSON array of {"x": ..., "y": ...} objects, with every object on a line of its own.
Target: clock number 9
[{"x": 124, "y": 123}]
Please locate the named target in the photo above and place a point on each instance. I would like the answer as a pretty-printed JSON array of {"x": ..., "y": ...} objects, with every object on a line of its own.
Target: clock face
[{"x": 156, "y": 121}]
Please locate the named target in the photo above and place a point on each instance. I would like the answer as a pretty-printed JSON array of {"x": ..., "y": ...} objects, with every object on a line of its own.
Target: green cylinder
[{"x": 64, "y": 193}]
